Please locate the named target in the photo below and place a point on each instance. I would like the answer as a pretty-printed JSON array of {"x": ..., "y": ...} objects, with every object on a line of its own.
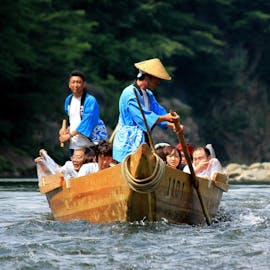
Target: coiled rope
[{"x": 148, "y": 184}]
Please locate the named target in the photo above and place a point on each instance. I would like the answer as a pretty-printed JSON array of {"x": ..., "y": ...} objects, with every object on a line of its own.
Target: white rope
[{"x": 148, "y": 184}]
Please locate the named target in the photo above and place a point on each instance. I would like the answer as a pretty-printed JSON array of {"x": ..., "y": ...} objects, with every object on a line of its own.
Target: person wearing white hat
[{"x": 131, "y": 130}]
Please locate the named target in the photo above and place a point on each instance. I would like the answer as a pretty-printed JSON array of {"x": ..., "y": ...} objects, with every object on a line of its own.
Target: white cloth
[
  {"x": 211, "y": 150},
  {"x": 87, "y": 168},
  {"x": 46, "y": 166},
  {"x": 68, "y": 170},
  {"x": 213, "y": 167},
  {"x": 78, "y": 141}
]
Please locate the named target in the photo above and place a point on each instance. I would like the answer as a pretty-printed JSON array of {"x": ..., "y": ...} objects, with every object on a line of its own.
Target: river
[{"x": 237, "y": 239}]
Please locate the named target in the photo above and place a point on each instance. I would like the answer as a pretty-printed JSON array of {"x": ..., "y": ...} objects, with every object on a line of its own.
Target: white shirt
[
  {"x": 213, "y": 167},
  {"x": 87, "y": 168},
  {"x": 78, "y": 141},
  {"x": 68, "y": 169},
  {"x": 146, "y": 100}
]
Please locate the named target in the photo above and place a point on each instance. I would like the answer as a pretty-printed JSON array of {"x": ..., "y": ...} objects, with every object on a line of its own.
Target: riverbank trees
[{"x": 216, "y": 51}]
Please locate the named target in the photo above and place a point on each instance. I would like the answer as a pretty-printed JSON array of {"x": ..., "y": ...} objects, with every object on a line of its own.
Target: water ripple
[{"x": 238, "y": 238}]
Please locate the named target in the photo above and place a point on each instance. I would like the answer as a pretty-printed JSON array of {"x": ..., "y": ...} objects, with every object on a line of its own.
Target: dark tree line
[{"x": 217, "y": 51}]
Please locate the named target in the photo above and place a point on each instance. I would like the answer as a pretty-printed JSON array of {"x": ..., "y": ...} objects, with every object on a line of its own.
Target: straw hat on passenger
[{"x": 153, "y": 67}]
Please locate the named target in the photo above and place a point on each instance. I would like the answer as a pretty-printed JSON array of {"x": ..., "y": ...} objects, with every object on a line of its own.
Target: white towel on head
[{"x": 211, "y": 149}]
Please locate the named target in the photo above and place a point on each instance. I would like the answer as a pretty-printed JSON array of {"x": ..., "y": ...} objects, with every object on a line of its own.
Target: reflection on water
[{"x": 237, "y": 239}]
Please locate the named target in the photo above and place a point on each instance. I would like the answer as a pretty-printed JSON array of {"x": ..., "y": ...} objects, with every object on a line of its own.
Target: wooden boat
[{"x": 140, "y": 188}]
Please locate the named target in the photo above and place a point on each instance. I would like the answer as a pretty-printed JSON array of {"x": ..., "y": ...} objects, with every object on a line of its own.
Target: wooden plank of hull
[
  {"x": 99, "y": 197},
  {"x": 97, "y": 200},
  {"x": 177, "y": 200},
  {"x": 105, "y": 196},
  {"x": 221, "y": 181},
  {"x": 50, "y": 182}
]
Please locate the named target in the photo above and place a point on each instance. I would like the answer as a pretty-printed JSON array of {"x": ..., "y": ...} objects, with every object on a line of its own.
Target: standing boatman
[
  {"x": 86, "y": 128},
  {"x": 131, "y": 130}
]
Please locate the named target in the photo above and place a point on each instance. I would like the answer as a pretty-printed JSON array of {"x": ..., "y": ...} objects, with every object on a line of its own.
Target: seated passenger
[
  {"x": 90, "y": 165},
  {"x": 172, "y": 156},
  {"x": 46, "y": 165},
  {"x": 104, "y": 159},
  {"x": 104, "y": 155},
  {"x": 204, "y": 165}
]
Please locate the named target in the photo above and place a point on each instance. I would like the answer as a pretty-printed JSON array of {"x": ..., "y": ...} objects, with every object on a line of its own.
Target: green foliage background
[{"x": 217, "y": 51}]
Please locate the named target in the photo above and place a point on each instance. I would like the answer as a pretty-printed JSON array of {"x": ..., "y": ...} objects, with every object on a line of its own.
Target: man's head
[
  {"x": 147, "y": 81},
  {"x": 78, "y": 158},
  {"x": 153, "y": 67},
  {"x": 201, "y": 154},
  {"x": 104, "y": 154},
  {"x": 150, "y": 73},
  {"x": 76, "y": 82}
]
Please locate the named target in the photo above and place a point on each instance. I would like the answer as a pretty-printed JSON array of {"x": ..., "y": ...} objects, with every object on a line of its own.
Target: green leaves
[{"x": 213, "y": 49}]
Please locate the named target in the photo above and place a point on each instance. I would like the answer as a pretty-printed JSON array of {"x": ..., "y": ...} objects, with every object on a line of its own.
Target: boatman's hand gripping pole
[{"x": 194, "y": 180}]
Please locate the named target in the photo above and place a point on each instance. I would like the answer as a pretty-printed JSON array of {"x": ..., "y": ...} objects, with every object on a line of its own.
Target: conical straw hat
[{"x": 153, "y": 67}]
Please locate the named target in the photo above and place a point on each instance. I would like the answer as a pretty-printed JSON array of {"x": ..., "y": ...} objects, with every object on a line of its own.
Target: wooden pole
[
  {"x": 194, "y": 180},
  {"x": 145, "y": 123},
  {"x": 64, "y": 126}
]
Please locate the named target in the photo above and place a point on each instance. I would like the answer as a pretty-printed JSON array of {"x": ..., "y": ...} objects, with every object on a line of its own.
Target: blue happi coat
[
  {"x": 131, "y": 129},
  {"x": 91, "y": 126}
]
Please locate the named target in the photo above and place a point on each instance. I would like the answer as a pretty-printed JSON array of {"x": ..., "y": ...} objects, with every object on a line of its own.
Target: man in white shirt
[
  {"x": 86, "y": 128},
  {"x": 204, "y": 165},
  {"x": 71, "y": 168}
]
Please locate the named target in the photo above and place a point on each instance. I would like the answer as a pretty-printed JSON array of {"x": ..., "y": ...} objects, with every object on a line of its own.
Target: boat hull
[{"x": 107, "y": 196}]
